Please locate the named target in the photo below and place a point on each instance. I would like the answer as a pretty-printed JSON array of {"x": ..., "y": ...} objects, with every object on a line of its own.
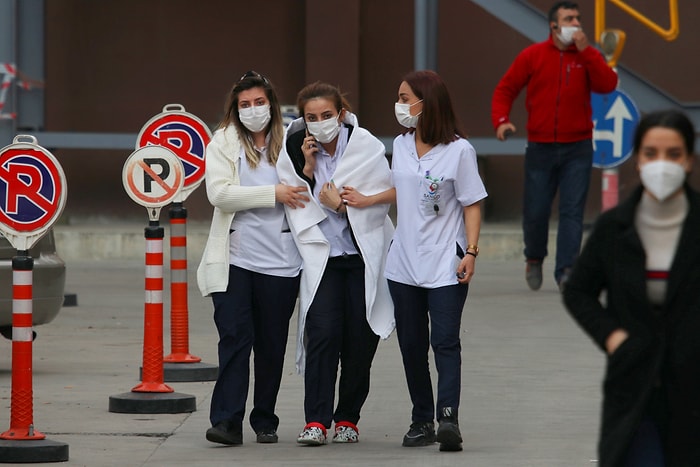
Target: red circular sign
[
  {"x": 32, "y": 189},
  {"x": 182, "y": 133}
]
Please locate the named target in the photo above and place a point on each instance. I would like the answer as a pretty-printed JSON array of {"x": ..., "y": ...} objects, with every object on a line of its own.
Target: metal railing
[{"x": 667, "y": 34}]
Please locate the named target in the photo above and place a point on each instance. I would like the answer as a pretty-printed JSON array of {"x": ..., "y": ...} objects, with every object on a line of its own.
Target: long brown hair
[
  {"x": 438, "y": 123},
  {"x": 253, "y": 79}
]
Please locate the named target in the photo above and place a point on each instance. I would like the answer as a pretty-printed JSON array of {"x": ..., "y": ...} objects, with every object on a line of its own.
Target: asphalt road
[{"x": 530, "y": 383}]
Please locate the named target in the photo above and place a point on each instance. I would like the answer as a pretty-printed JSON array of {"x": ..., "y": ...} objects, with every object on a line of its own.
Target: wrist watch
[{"x": 474, "y": 250}]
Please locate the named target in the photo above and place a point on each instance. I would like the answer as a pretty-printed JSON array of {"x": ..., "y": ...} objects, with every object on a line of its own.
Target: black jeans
[
  {"x": 337, "y": 330},
  {"x": 550, "y": 167}
]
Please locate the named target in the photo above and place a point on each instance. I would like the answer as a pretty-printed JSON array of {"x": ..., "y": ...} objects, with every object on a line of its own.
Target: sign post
[
  {"x": 32, "y": 197},
  {"x": 615, "y": 117},
  {"x": 153, "y": 176},
  {"x": 187, "y": 137}
]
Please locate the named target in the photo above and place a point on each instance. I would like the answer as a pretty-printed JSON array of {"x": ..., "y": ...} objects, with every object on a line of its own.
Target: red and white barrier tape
[{"x": 10, "y": 73}]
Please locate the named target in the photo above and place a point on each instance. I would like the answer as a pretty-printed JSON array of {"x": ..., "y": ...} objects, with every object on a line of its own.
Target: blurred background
[{"x": 89, "y": 74}]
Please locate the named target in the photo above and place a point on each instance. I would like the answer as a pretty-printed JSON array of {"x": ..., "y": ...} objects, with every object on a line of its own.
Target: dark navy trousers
[
  {"x": 337, "y": 330},
  {"x": 430, "y": 317},
  {"x": 253, "y": 314}
]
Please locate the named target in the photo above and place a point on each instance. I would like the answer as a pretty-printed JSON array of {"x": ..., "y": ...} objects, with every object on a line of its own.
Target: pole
[{"x": 609, "y": 188}]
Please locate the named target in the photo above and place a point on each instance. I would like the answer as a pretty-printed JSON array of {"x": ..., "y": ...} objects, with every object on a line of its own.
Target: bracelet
[
  {"x": 471, "y": 253},
  {"x": 340, "y": 205}
]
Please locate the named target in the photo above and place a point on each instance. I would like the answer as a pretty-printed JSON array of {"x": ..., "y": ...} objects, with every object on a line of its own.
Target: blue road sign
[{"x": 615, "y": 117}]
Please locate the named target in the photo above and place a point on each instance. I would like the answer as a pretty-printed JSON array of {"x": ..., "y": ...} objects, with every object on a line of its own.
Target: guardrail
[
  {"x": 667, "y": 34},
  {"x": 69, "y": 140}
]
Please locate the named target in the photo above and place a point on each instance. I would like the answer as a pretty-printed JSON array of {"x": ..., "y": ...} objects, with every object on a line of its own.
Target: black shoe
[
  {"x": 223, "y": 433},
  {"x": 267, "y": 436},
  {"x": 448, "y": 434},
  {"x": 420, "y": 434},
  {"x": 533, "y": 273}
]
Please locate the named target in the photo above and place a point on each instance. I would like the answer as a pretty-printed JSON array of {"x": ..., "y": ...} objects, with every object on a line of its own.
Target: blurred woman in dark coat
[{"x": 635, "y": 290}]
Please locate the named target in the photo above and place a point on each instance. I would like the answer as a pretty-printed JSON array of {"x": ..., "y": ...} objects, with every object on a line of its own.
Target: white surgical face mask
[
  {"x": 566, "y": 33},
  {"x": 324, "y": 131},
  {"x": 403, "y": 114},
  {"x": 255, "y": 118},
  {"x": 662, "y": 178}
]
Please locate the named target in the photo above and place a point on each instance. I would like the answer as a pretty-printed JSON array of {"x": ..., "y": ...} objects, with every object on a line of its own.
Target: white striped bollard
[{"x": 153, "y": 395}]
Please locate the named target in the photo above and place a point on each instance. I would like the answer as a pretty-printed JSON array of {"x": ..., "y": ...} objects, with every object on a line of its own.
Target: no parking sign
[
  {"x": 32, "y": 191},
  {"x": 153, "y": 177},
  {"x": 183, "y": 134}
]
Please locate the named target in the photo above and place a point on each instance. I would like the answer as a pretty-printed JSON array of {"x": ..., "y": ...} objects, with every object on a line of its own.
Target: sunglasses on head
[{"x": 253, "y": 74}]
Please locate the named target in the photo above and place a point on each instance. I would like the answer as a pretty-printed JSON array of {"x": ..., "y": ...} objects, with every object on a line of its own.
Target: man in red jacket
[{"x": 560, "y": 74}]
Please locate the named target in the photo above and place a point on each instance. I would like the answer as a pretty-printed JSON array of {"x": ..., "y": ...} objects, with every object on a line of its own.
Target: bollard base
[
  {"x": 152, "y": 402},
  {"x": 26, "y": 451},
  {"x": 187, "y": 372},
  {"x": 70, "y": 299}
]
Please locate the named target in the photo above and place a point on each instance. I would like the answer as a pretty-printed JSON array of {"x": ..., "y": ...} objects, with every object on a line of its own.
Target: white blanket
[{"x": 364, "y": 167}]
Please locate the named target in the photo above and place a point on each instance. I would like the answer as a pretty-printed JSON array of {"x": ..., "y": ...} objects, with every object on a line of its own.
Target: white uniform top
[
  {"x": 335, "y": 225},
  {"x": 430, "y": 195},
  {"x": 261, "y": 240}
]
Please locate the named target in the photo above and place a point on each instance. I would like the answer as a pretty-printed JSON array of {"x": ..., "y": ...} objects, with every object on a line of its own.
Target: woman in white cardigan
[
  {"x": 343, "y": 236},
  {"x": 250, "y": 266}
]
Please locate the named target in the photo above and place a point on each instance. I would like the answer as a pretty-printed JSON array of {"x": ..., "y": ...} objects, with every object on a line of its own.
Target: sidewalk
[{"x": 530, "y": 395}]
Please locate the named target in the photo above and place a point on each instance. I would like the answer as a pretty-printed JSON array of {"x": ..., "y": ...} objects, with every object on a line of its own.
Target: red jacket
[{"x": 559, "y": 85}]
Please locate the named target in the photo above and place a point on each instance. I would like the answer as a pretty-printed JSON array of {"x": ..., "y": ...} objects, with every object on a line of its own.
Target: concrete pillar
[
  {"x": 8, "y": 54},
  {"x": 426, "y": 26},
  {"x": 30, "y": 60}
]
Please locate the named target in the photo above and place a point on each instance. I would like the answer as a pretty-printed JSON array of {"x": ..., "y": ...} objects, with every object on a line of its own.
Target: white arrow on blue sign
[{"x": 615, "y": 117}]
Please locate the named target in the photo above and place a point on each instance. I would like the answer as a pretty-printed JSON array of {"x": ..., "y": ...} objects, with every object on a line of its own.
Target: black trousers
[
  {"x": 430, "y": 318},
  {"x": 253, "y": 314},
  {"x": 337, "y": 331}
]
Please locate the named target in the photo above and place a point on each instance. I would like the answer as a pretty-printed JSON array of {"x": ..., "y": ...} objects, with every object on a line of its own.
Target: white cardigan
[
  {"x": 227, "y": 196},
  {"x": 363, "y": 166}
]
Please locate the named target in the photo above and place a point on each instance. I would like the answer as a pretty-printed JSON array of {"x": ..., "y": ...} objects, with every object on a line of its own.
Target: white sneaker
[
  {"x": 313, "y": 434},
  {"x": 346, "y": 432}
]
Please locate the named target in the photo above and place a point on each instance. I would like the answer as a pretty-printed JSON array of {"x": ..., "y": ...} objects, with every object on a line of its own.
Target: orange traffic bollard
[
  {"x": 179, "y": 314},
  {"x": 180, "y": 365},
  {"x": 152, "y": 380},
  {"x": 153, "y": 395},
  {"x": 31, "y": 445},
  {"x": 22, "y": 405}
]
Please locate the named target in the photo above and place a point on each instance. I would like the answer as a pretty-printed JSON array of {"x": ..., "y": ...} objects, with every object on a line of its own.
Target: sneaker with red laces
[
  {"x": 313, "y": 434},
  {"x": 346, "y": 432}
]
